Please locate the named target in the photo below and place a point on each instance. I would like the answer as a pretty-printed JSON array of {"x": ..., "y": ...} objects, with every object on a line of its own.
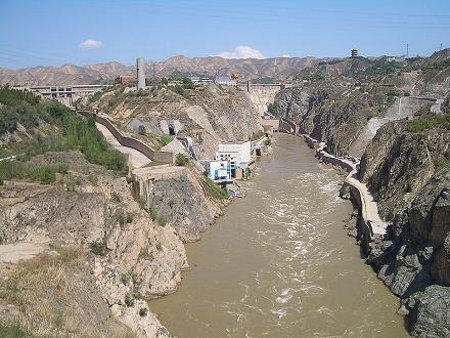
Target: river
[{"x": 280, "y": 264}]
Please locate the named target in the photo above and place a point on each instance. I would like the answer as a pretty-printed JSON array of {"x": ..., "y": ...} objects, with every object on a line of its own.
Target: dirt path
[{"x": 13, "y": 253}]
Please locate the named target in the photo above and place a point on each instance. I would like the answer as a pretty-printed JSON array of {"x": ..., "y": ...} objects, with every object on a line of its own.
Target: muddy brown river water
[{"x": 280, "y": 264}]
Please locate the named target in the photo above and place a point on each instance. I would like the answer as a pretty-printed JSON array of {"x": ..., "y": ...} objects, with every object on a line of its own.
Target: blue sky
[{"x": 46, "y": 32}]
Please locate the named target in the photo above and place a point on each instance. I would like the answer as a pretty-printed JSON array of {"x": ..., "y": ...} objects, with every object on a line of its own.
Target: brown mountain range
[{"x": 279, "y": 68}]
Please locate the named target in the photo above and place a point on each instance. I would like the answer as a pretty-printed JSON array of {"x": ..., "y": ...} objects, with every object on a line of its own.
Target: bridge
[{"x": 65, "y": 94}]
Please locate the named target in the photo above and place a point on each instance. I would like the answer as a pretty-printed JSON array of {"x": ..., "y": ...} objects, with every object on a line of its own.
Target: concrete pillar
[
  {"x": 249, "y": 86},
  {"x": 140, "y": 67}
]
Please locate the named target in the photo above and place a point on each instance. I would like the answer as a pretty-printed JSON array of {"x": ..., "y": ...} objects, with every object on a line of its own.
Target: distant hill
[{"x": 279, "y": 68}]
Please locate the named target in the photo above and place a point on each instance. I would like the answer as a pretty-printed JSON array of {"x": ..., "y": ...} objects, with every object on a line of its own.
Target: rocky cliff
[
  {"x": 408, "y": 173},
  {"x": 119, "y": 251},
  {"x": 131, "y": 258}
]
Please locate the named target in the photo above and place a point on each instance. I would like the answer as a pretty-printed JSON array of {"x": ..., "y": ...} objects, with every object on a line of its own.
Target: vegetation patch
[
  {"x": 430, "y": 122},
  {"x": 98, "y": 248},
  {"x": 34, "y": 172},
  {"x": 12, "y": 330},
  {"x": 74, "y": 132},
  {"x": 181, "y": 159},
  {"x": 39, "y": 288},
  {"x": 164, "y": 140},
  {"x": 211, "y": 189},
  {"x": 257, "y": 135}
]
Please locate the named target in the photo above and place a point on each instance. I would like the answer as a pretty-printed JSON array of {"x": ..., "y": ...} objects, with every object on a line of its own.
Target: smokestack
[{"x": 140, "y": 67}]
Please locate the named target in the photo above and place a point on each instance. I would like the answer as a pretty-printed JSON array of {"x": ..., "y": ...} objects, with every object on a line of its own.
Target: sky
[{"x": 52, "y": 33}]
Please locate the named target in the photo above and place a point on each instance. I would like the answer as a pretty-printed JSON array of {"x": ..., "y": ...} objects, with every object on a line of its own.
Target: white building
[
  {"x": 225, "y": 81},
  {"x": 219, "y": 170},
  {"x": 235, "y": 154}
]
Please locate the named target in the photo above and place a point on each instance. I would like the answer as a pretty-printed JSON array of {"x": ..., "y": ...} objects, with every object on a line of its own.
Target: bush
[
  {"x": 143, "y": 312},
  {"x": 164, "y": 140},
  {"x": 181, "y": 159},
  {"x": 125, "y": 278},
  {"x": 257, "y": 135},
  {"x": 161, "y": 220},
  {"x": 116, "y": 197},
  {"x": 98, "y": 248},
  {"x": 129, "y": 299},
  {"x": 123, "y": 218}
]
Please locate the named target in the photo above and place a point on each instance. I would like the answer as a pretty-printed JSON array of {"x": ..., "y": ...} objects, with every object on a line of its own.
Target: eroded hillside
[{"x": 208, "y": 114}]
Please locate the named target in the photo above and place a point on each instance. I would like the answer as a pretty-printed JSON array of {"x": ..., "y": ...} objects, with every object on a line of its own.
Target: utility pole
[
  {"x": 407, "y": 50},
  {"x": 441, "y": 46}
]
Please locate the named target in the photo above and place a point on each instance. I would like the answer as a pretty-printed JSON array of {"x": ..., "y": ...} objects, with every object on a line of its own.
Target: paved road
[{"x": 137, "y": 159}]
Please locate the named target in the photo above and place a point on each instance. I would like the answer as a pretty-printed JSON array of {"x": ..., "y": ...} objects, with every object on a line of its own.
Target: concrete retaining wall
[
  {"x": 130, "y": 142},
  {"x": 328, "y": 159},
  {"x": 287, "y": 126}
]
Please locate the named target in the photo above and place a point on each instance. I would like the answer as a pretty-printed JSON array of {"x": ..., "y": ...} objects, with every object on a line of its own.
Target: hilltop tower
[{"x": 140, "y": 68}]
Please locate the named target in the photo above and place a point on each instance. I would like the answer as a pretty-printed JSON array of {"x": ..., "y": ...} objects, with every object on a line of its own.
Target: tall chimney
[{"x": 140, "y": 67}]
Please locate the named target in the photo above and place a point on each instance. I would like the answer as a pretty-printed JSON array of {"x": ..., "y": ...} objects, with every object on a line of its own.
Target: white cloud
[
  {"x": 90, "y": 44},
  {"x": 286, "y": 56},
  {"x": 242, "y": 52}
]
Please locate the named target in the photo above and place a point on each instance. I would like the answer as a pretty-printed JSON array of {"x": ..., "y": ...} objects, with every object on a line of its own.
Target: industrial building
[
  {"x": 238, "y": 155},
  {"x": 140, "y": 67}
]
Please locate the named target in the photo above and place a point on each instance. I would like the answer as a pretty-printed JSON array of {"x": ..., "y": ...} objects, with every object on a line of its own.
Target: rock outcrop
[
  {"x": 132, "y": 257},
  {"x": 409, "y": 175},
  {"x": 428, "y": 314}
]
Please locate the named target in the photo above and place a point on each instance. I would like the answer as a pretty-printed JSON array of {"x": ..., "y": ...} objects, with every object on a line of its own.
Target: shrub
[
  {"x": 125, "y": 278},
  {"x": 257, "y": 135},
  {"x": 143, "y": 312},
  {"x": 161, "y": 220},
  {"x": 181, "y": 159},
  {"x": 131, "y": 296},
  {"x": 76, "y": 133},
  {"x": 164, "y": 140},
  {"x": 93, "y": 179},
  {"x": 129, "y": 299},
  {"x": 116, "y": 197},
  {"x": 124, "y": 218},
  {"x": 98, "y": 248}
]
